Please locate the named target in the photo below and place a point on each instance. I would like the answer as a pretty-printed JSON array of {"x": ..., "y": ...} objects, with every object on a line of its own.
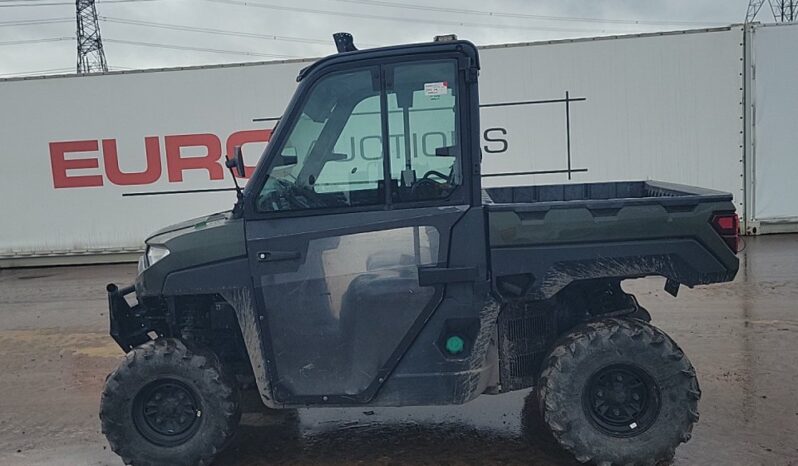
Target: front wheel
[
  {"x": 171, "y": 404},
  {"x": 618, "y": 391}
]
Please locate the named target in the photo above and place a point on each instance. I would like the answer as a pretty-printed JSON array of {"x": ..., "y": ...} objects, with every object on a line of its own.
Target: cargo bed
[
  {"x": 625, "y": 229},
  {"x": 630, "y": 192}
]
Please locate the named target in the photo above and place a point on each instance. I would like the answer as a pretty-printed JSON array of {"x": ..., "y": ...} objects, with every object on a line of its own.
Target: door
[{"x": 361, "y": 191}]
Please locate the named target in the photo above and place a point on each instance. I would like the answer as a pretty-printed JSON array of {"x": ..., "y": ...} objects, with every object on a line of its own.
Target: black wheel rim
[
  {"x": 166, "y": 412},
  {"x": 621, "y": 400}
]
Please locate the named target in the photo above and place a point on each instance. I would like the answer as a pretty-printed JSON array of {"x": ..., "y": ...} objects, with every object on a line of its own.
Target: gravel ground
[{"x": 742, "y": 338}]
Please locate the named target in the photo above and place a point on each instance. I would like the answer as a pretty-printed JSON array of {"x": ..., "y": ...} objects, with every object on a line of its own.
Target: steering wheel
[
  {"x": 292, "y": 197},
  {"x": 435, "y": 173},
  {"x": 426, "y": 188}
]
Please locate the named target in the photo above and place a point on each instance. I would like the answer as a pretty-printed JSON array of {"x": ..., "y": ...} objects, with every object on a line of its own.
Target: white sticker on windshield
[{"x": 439, "y": 88}]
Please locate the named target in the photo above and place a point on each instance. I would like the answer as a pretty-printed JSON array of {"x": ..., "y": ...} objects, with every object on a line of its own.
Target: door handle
[
  {"x": 273, "y": 256},
  {"x": 430, "y": 275}
]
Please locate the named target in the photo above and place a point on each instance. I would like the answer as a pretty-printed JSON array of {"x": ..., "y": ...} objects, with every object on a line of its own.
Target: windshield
[
  {"x": 305, "y": 174},
  {"x": 355, "y": 125}
]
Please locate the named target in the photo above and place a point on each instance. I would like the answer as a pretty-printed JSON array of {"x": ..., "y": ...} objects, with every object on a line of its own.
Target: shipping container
[
  {"x": 772, "y": 148},
  {"x": 92, "y": 164}
]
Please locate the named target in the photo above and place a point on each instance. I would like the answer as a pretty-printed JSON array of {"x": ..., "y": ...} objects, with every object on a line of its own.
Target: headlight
[{"x": 156, "y": 253}]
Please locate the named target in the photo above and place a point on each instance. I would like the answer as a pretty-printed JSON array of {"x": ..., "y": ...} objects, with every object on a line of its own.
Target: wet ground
[{"x": 742, "y": 337}]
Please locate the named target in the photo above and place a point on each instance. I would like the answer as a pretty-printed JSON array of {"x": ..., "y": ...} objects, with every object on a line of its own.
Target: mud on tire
[
  {"x": 169, "y": 403},
  {"x": 618, "y": 391}
]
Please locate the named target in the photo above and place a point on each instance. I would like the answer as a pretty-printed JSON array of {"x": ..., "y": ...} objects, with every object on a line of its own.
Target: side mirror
[
  {"x": 288, "y": 160},
  {"x": 236, "y": 164}
]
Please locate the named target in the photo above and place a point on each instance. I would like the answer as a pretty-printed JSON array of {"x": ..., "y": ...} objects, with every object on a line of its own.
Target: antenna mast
[
  {"x": 784, "y": 11},
  {"x": 91, "y": 57}
]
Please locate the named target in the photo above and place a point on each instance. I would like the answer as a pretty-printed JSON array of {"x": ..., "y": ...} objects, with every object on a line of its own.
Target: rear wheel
[
  {"x": 168, "y": 403},
  {"x": 618, "y": 391}
]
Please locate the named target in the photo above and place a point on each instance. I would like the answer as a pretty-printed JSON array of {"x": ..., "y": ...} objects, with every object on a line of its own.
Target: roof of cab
[{"x": 463, "y": 46}]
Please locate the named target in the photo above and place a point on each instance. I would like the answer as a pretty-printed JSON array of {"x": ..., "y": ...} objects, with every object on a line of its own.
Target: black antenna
[{"x": 236, "y": 162}]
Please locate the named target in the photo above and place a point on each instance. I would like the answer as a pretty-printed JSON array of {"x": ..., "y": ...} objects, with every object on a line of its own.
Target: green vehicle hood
[
  {"x": 203, "y": 240},
  {"x": 159, "y": 236}
]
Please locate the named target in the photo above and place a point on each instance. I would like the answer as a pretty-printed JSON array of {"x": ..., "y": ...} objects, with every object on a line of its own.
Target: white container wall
[
  {"x": 666, "y": 107},
  {"x": 773, "y": 196},
  {"x": 87, "y": 159},
  {"x": 78, "y": 150}
]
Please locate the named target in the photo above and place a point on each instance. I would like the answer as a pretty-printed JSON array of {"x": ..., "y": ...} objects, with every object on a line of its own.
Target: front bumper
[{"x": 128, "y": 328}]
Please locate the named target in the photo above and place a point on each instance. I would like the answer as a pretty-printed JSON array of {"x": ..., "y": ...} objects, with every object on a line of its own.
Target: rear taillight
[{"x": 728, "y": 227}]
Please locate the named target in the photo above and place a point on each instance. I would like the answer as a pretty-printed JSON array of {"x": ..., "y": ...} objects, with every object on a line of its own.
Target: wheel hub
[
  {"x": 621, "y": 400},
  {"x": 166, "y": 412}
]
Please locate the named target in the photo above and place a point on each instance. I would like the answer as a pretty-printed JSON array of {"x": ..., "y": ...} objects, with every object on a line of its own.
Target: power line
[
  {"x": 31, "y": 3},
  {"x": 35, "y": 4},
  {"x": 58, "y": 71},
  {"x": 223, "y": 32},
  {"x": 37, "y": 72},
  {"x": 393, "y": 18},
  {"x": 36, "y": 41},
  {"x": 500, "y": 14},
  {"x": 33, "y": 22},
  {"x": 178, "y": 27},
  {"x": 197, "y": 49}
]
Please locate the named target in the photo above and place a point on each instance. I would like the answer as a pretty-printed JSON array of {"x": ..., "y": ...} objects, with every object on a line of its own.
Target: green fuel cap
[{"x": 454, "y": 344}]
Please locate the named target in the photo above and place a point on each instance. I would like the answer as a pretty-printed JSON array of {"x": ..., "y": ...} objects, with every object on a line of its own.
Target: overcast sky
[{"x": 275, "y": 29}]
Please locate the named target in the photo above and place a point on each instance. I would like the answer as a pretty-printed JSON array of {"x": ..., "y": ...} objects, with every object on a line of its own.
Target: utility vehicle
[{"x": 360, "y": 267}]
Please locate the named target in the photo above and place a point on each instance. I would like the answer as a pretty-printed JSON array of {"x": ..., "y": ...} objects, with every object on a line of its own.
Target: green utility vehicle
[{"x": 362, "y": 266}]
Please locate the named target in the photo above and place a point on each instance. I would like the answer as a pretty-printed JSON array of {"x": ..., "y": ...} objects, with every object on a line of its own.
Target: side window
[
  {"x": 423, "y": 129},
  {"x": 333, "y": 154}
]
